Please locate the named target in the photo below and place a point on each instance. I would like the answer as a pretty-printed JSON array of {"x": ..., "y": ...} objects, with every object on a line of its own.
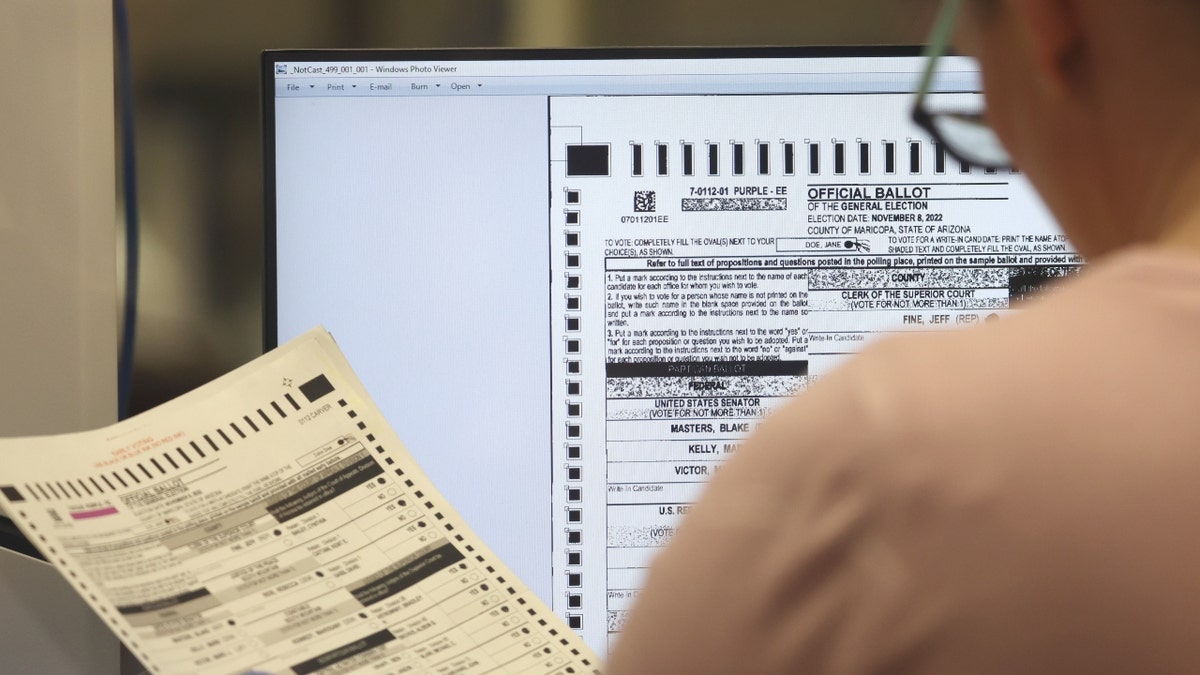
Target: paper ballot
[{"x": 271, "y": 521}]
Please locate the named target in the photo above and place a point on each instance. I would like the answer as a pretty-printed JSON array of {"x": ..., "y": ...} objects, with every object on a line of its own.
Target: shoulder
[
  {"x": 1119, "y": 342},
  {"x": 888, "y": 499},
  {"x": 1100, "y": 338}
]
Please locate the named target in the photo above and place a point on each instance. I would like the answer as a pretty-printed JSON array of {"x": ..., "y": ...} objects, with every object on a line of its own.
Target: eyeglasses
[{"x": 965, "y": 135}]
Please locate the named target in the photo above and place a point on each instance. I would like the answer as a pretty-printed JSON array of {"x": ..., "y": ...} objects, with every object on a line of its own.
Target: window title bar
[{"x": 609, "y": 67}]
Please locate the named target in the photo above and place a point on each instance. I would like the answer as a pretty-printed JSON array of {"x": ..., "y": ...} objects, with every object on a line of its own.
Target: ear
[{"x": 1054, "y": 34}]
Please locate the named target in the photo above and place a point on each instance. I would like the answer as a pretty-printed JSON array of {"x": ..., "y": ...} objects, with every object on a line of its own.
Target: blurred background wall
[{"x": 198, "y": 137}]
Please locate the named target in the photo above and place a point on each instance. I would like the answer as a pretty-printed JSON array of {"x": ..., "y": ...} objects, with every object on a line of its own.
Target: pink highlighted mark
[{"x": 98, "y": 513}]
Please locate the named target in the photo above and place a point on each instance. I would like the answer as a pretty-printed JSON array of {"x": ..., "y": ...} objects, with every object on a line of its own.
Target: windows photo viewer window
[{"x": 575, "y": 280}]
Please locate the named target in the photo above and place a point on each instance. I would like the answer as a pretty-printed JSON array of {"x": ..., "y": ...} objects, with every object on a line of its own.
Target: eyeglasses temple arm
[{"x": 938, "y": 41}]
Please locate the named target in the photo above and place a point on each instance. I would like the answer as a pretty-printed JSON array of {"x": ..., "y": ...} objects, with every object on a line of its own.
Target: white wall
[{"x": 58, "y": 311}]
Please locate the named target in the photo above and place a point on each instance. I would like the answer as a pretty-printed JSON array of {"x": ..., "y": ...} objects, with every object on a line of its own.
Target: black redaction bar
[{"x": 708, "y": 369}]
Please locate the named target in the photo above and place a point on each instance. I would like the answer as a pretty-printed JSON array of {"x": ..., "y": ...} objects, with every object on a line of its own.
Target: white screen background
[{"x": 415, "y": 231}]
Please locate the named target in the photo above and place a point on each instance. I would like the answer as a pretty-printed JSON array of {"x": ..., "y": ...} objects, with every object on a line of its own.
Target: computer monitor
[{"x": 575, "y": 280}]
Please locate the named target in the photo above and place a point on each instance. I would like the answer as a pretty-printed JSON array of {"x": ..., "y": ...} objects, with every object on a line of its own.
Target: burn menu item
[{"x": 272, "y": 521}]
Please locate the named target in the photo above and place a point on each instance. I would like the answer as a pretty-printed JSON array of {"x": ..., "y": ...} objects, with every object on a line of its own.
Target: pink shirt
[{"x": 1021, "y": 497}]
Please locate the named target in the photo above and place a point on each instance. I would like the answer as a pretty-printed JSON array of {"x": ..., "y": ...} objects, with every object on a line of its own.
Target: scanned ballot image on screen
[
  {"x": 272, "y": 522},
  {"x": 717, "y": 254},
  {"x": 594, "y": 272}
]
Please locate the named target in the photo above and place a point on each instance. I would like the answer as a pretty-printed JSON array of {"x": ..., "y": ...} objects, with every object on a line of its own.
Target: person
[{"x": 1018, "y": 497}]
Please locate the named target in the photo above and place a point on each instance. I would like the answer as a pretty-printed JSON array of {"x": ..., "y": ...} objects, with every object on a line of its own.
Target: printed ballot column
[{"x": 755, "y": 243}]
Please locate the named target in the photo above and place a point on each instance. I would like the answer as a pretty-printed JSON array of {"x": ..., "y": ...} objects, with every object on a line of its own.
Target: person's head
[{"x": 1098, "y": 101}]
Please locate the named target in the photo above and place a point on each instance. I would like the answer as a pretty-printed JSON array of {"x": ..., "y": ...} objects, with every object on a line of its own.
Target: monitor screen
[{"x": 575, "y": 280}]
